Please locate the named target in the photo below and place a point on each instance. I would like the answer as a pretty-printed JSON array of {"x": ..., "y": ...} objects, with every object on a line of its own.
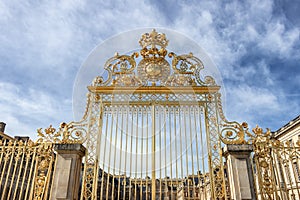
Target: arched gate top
[
  {"x": 154, "y": 66},
  {"x": 150, "y": 74}
]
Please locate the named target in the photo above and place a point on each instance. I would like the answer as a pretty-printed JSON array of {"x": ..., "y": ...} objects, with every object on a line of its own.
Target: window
[
  {"x": 288, "y": 174},
  {"x": 296, "y": 167},
  {"x": 291, "y": 142}
]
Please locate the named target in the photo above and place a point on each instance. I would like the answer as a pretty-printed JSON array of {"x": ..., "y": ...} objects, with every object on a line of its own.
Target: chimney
[{"x": 2, "y": 127}]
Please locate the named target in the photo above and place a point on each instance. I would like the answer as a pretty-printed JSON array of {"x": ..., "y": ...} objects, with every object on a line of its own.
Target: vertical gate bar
[
  {"x": 48, "y": 176},
  {"x": 284, "y": 177},
  {"x": 83, "y": 183},
  {"x": 130, "y": 164},
  {"x": 98, "y": 148},
  {"x": 180, "y": 140},
  {"x": 115, "y": 149},
  {"x": 165, "y": 148},
  {"x": 202, "y": 151},
  {"x": 276, "y": 165},
  {"x": 185, "y": 110},
  {"x": 34, "y": 167},
  {"x": 126, "y": 145},
  {"x": 197, "y": 146},
  {"x": 136, "y": 151},
  {"x": 142, "y": 146},
  {"x": 256, "y": 189},
  {"x": 109, "y": 151},
  {"x": 147, "y": 151},
  {"x": 176, "y": 138},
  {"x": 121, "y": 148},
  {"x": 153, "y": 185},
  {"x": 13, "y": 148},
  {"x": 171, "y": 109},
  {"x": 192, "y": 153},
  {"x": 296, "y": 173},
  {"x": 259, "y": 175},
  {"x": 6, "y": 152},
  {"x": 288, "y": 173},
  {"x": 98, "y": 104},
  {"x": 28, "y": 157},
  {"x": 20, "y": 170},
  {"x": 142, "y": 150},
  {"x": 160, "y": 148},
  {"x": 106, "y": 111},
  {"x": 293, "y": 149},
  {"x": 16, "y": 161}
]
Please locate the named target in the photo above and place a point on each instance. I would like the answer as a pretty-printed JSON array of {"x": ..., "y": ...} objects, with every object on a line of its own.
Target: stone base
[
  {"x": 66, "y": 179},
  {"x": 239, "y": 169}
]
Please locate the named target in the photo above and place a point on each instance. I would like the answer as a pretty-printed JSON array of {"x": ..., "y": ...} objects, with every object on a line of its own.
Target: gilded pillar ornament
[{"x": 45, "y": 162}]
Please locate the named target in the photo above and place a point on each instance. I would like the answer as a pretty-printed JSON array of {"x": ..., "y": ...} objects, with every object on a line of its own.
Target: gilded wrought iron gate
[
  {"x": 161, "y": 149},
  {"x": 151, "y": 149},
  {"x": 276, "y": 166},
  {"x": 154, "y": 131},
  {"x": 26, "y": 169}
]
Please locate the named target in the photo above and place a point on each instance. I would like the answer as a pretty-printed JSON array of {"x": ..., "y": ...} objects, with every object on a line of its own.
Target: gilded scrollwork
[
  {"x": 74, "y": 132},
  {"x": 153, "y": 69},
  {"x": 230, "y": 132},
  {"x": 189, "y": 67},
  {"x": 185, "y": 64},
  {"x": 119, "y": 71}
]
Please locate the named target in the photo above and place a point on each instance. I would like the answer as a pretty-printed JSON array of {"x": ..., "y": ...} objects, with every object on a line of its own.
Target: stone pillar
[
  {"x": 240, "y": 173},
  {"x": 66, "y": 179}
]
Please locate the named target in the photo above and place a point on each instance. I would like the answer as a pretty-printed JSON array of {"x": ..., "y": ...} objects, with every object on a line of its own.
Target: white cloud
[
  {"x": 56, "y": 37},
  {"x": 237, "y": 28},
  {"x": 280, "y": 41},
  {"x": 253, "y": 98},
  {"x": 25, "y": 110},
  {"x": 259, "y": 105},
  {"x": 4, "y": 12}
]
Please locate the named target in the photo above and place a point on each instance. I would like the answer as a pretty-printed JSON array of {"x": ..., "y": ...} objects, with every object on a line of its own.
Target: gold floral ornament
[
  {"x": 73, "y": 132},
  {"x": 263, "y": 145},
  {"x": 260, "y": 137},
  {"x": 49, "y": 135},
  {"x": 45, "y": 162}
]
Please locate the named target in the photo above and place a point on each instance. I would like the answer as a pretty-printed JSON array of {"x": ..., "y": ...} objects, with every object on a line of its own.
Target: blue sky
[{"x": 254, "y": 44}]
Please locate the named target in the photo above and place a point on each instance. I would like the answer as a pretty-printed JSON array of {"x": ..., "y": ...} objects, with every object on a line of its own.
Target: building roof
[
  {"x": 4, "y": 136},
  {"x": 287, "y": 127}
]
